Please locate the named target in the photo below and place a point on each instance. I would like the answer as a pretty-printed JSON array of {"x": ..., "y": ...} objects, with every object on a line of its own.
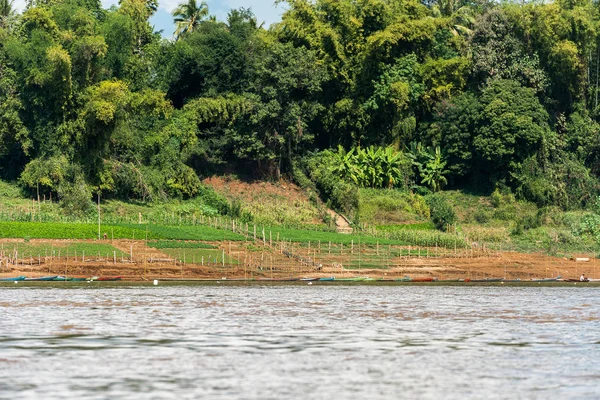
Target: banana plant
[{"x": 433, "y": 171}]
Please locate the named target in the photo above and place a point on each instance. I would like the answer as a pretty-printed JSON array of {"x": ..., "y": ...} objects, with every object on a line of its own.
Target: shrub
[
  {"x": 442, "y": 213},
  {"x": 530, "y": 221},
  {"x": 567, "y": 184},
  {"x": 340, "y": 195},
  {"x": 209, "y": 197},
  {"x": 74, "y": 193},
  {"x": 481, "y": 216},
  {"x": 507, "y": 212}
]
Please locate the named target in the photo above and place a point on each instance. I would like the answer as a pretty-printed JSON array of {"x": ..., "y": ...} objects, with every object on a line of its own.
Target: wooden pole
[{"x": 98, "y": 215}]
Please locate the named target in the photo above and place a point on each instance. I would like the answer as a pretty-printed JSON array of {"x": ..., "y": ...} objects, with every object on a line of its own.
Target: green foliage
[
  {"x": 124, "y": 231},
  {"x": 175, "y": 244},
  {"x": 490, "y": 94},
  {"x": 341, "y": 195},
  {"x": 429, "y": 164},
  {"x": 442, "y": 213},
  {"x": 371, "y": 167},
  {"x": 566, "y": 183},
  {"x": 45, "y": 173},
  {"x": 74, "y": 193},
  {"x": 188, "y": 16},
  {"x": 9, "y": 190},
  {"x": 489, "y": 137},
  {"x": 387, "y": 206}
]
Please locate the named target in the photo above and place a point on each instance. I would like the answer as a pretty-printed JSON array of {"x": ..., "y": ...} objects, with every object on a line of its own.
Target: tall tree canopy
[{"x": 428, "y": 93}]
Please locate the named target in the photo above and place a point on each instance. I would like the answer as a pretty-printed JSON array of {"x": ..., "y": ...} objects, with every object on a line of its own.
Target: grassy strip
[
  {"x": 305, "y": 236},
  {"x": 175, "y": 244},
  {"x": 90, "y": 231},
  {"x": 66, "y": 249},
  {"x": 428, "y": 238},
  {"x": 197, "y": 256},
  {"x": 423, "y": 226}
]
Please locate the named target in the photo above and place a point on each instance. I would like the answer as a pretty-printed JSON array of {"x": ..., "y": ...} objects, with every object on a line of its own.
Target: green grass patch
[
  {"x": 200, "y": 256},
  {"x": 90, "y": 231},
  {"x": 304, "y": 236},
  {"x": 423, "y": 226},
  {"x": 176, "y": 244},
  {"x": 385, "y": 206},
  {"x": 66, "y": 249}
]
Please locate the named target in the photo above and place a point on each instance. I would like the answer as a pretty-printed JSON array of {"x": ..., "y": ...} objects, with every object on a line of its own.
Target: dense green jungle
[{"x": 472, "y": 117}]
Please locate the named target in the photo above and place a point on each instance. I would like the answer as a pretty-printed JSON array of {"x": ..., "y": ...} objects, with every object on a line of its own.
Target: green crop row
[
  {"x": 305, "y": 236},
  {"x": 176, "y": 244},
  {"x": 90, "y": 231},
  {"x": 66, "y": 249}
]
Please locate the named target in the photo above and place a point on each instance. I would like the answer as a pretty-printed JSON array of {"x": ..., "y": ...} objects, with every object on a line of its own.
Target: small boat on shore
[
  {"x": 546, "y": 279},
  {"x": 409, "y": 279},
  {"x": 429, "y": 279},
  {"x": 309, "y": 279},
  {"x": 105, "y": 278},
  {"x": 488, "y": 280},
  {"x": 355, "y": 279},
  {"x": 278, "y": 279},
  {"x": 329, "y": 279},
  {"x": 42, "y": 278},
  {"x": 15, "y": 279}
]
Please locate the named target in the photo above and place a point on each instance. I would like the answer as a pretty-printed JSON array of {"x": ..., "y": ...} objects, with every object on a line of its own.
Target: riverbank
[{"x": 137, "y": 260}]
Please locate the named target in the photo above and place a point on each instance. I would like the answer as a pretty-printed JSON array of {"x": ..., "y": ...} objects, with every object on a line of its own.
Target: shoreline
[
  {"x": 134, "y": 261},
  {"x": 234, "y": 283}
]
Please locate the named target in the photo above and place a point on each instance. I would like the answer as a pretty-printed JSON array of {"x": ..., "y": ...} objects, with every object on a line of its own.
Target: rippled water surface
[{"x": 299, "y": 341}]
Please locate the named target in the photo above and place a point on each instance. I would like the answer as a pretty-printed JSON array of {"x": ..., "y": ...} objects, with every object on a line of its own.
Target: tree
[
  {"x": 487, "y": 136},
  {"x": 188, "y": 16},
  {"x": 6, "y": 13}
]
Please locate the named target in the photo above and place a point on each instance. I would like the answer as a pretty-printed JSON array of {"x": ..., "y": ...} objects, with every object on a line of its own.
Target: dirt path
[{"x": 341, "y": 223}]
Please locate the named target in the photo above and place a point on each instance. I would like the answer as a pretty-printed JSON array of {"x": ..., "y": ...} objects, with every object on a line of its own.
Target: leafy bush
[
  {"x": 388, "y": 206},
  {"x": 567, "y": 183},
  {"x": 527, "y": 222},
  {"x": 341, "y": 195},
  {"x": 508, "y": 212},
  {"x": 45, "y": 173},
  {"x": 482, "y": 216},
  {"x": 236, "y": 211},
  {"x": 209, "y": 197},
  {"x": 500, "y": 198},
  {"x": 442, "y": 213},
  {"x": 74, "y": 193},
  {"x": 9, "y": 189}
]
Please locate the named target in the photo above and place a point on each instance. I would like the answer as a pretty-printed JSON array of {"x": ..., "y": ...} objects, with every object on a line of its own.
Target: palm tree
[
  {"x": 6, "y": 12},
  {"x": 188, "y": 16},
  {"x": 460, "y": 13}
]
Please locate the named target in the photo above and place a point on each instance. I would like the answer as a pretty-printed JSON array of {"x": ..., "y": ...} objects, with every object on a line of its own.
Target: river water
[{"x": 299, "y": 342}]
